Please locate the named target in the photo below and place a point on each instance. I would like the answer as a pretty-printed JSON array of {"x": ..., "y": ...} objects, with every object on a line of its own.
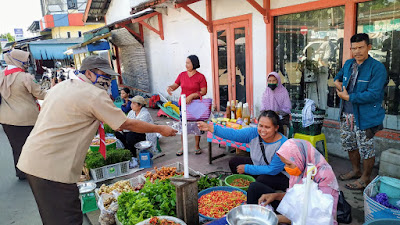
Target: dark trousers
[
  {"x": 129, "y": 139},
  {"x": 17, "y": 136},
  {"x": 272, "y": 183},
  {"x": 58, "y": 203}
]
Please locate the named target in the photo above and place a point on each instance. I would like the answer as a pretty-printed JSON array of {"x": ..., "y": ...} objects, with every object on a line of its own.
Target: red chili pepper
[{"x": 217, "y": 203}]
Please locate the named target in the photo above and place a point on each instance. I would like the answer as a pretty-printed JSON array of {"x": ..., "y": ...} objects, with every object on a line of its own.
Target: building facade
[{"x": 239, "y": 42}]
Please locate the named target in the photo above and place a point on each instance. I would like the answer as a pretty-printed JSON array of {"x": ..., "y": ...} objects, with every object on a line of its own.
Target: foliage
[
  {"x": 154, "y": 199},
  {"x": 108, "y": 129},
  {"x": 207, "y": 182},
  {"x": 7, "y": 36},
  {"x": 96, "y": 160}
]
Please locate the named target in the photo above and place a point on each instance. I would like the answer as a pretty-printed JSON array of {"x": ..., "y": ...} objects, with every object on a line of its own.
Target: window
[
  {"x": 380, "y": 19},
  {"x": 308, "y": 54},
  {"x": 72, "y": 4},
  {"x": 79, "y": 34},
  {"x": 68, "y": 34}
]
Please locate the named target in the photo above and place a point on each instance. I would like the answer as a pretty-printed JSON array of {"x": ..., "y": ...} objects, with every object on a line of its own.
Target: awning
[
  {"x": 95, "y": 44},
  {"x": 52, "y": 48}
]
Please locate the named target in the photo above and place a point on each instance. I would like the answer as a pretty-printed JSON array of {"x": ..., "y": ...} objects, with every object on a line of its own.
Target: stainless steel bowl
[
  {"x": 143, "y": 145},
  {"x": 176, "y": 220},
  {"x": 86, "y": 187},
  {"x": 251, "y": 215}
]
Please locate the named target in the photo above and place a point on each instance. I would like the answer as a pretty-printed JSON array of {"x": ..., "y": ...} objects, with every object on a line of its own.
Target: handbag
[
  {"x": 199, "y": 109},
  {"x": 343, "y": 210}
]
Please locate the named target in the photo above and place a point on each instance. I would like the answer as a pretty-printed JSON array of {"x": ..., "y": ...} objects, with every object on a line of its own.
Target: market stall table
[{"x": 211, "y": 138}]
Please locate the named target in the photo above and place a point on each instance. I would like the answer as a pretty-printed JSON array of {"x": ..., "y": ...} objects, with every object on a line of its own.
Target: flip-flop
[
  {"x": 348, "y": 176},
  {"x": 179, "y": 153},
  {"x": 356, "y": 185},
  {"x": 197, "y": 151}
]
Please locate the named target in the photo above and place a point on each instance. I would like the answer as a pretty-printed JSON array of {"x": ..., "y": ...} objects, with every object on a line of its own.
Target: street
[{"x": 18, "y": 205}]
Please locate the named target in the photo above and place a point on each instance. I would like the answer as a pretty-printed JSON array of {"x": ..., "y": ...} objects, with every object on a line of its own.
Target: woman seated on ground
[
  {"x": 126, "y": 106},
  {"x": 139, "y": 112},
  {"x": 276, "y": 98},
  {"x": 264, "y": 141},
  {"x": 296, "y": 154}
]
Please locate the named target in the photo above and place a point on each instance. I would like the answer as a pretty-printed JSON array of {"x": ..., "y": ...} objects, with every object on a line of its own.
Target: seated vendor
[
  {"x": 264, "y": 141},
  {"x": 138, "y": 112},
  {"x": 126, "y": 106},
  {"x": 296, "y": 154}
]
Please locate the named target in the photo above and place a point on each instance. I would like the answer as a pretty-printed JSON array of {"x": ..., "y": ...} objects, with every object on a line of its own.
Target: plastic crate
[
  {"x": 314, "y": 129},
  {"x": 110, "y": 171}
]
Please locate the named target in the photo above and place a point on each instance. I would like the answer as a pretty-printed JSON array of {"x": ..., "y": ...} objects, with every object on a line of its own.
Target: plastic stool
[{"x": 313, "y": 140}]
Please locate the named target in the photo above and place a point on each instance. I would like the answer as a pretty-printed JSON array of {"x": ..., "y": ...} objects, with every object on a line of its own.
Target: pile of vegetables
[
  {"x": 96, "y": 141},
  {"x": 95, "y": 159},
  {"x": 240, "y": 182},
  {"x": 162, "y": 174},
  {"x": 157, "y": 221},
  {"x": 207, "y": 182},
  {"x": 154, "y": 199},
  {"x": 120, "y": 186},
  {"x": 218, "y": 203}
]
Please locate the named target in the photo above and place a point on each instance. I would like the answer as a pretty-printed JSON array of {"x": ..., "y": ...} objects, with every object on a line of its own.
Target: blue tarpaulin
[{"x": 52, "y": 48}]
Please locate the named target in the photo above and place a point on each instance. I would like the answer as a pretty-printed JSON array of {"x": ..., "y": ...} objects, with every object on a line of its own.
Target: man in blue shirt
[{"x": 360, "y": 85}]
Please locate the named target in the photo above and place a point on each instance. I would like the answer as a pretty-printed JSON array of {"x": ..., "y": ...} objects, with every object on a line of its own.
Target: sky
[{"x": 18, "y": 14}]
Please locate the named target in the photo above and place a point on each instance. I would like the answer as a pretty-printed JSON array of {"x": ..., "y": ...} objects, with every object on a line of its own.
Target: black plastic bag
[{"x": 343, "y": 210}]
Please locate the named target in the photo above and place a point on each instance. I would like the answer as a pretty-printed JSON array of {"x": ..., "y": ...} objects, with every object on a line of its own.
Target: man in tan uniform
[
  {"x": 54, "y": 153},
  {"x": 18, "y": 107}
]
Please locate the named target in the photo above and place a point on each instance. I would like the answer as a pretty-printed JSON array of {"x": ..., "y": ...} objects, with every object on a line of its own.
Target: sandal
[
  {"x": 356, "y": 185},
  {"x": 179, "y": 153},
  {"x": 197, "y": 151},
  {"x": 349, "y": 176}
]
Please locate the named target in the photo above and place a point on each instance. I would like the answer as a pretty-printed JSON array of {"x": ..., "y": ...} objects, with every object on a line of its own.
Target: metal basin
[
  {"x": 251, "y": 215},
  {"x": 86, "y": 187},
  {"x": 143, "y": 145}
]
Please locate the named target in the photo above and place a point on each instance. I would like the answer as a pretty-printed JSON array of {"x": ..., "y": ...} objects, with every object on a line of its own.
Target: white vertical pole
[
  {"x": 184, "y": 137},
  {"x": 311, "y": 171}
]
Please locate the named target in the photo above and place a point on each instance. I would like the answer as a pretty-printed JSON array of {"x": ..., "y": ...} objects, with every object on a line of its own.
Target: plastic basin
[
  {"x": 390, "y": 186},
  {"x": 383, "y": 222},
  {"x": 231, "y": 178},
  {"x": 209, "y": 190}
]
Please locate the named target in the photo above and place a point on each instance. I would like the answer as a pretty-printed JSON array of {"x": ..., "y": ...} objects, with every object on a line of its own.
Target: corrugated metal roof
[{"x": 58, "y": 41}]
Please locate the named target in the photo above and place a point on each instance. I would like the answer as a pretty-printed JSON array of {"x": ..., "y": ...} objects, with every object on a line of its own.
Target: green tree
[{"x": 7, "y": 36}]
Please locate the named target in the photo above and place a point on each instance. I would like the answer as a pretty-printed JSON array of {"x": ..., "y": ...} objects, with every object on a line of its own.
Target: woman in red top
[{"x": 193, "y": 85}]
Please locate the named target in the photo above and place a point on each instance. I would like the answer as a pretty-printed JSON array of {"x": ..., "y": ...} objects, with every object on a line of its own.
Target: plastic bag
[
  {"x": 343, "y": 210},
  {"x": 192, "y": 127},
  {"x": 107, "y": 215},
  {"x": 320, "y": 205}
]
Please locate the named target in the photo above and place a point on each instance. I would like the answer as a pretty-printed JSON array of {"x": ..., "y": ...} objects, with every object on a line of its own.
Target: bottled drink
[
  {"x": 228, "y": 110},
  {"x": 246, "y": 114},
  {"x": 233, "y": 110}
]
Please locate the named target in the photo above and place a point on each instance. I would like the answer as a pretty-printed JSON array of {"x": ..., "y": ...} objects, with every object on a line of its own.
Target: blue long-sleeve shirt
[
  {"x": 250, "y": 135},
  {"x": 126, "y": 108}
]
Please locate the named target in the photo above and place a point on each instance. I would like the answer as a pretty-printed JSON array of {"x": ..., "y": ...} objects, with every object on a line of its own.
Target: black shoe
[{"x": 21, "y": 178}]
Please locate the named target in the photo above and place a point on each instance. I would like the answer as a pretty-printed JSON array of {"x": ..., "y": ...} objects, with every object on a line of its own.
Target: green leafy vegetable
[
  {"x": 96, "y": 160},
  {"x": 207, "y": 182}
]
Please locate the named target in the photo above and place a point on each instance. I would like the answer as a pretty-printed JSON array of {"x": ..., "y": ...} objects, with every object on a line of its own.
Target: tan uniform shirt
[
  {"x": 58, "y": 144},
  {"x": 20, "y": 109}
]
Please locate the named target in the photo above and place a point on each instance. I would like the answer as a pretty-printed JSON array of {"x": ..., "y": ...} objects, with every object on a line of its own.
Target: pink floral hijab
[{"x": 301, "y": 152}]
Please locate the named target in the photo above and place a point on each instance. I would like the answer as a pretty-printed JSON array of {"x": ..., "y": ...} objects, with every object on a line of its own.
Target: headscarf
[
  {"x": 301, "y": 152},
  {"x": 15, "y": 60},
  {"x": 278, "y": 99}
]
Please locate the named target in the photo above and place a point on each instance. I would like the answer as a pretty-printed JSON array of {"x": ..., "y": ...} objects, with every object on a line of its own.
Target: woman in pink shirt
[{"x": 193, "y": 85}]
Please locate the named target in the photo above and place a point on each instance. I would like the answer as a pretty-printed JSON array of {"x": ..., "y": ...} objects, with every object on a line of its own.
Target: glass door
[{"x": 231, "y": 54}]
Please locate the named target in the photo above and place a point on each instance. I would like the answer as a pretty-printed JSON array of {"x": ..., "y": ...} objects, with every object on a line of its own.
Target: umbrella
[
  {"x": 221, "y": 42},
  {"x": 240, "y": 41}
]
